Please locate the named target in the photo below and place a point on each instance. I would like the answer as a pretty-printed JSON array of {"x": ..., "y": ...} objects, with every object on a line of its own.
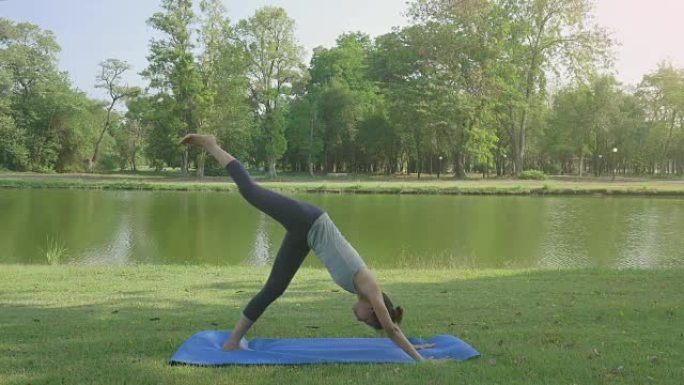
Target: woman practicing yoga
[{"x": 308, "y": 227}]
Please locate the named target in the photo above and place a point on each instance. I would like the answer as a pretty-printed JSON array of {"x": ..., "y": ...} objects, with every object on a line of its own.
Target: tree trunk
[
  {"x": 272, "y": 167},
  {"x": 96, "y": 153},
  {"x": 419, "y": 165},
  {"x": 459, "y": 165},
  {"x": 517, "y": 163},
  {"x": 201, "y": 160},
  {"x": 184, "y": 162},
  {"x": 520, "y": 148},
  {"x": 581, "y": 165},
  {"x": 309, "y": 159}
]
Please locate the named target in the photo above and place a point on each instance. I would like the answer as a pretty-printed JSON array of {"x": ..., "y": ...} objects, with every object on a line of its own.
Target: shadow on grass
[{"x": 531, "y": 327}]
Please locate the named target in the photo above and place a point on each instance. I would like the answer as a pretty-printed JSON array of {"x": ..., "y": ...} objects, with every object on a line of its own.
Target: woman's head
[{"x": 364, "y": 312}]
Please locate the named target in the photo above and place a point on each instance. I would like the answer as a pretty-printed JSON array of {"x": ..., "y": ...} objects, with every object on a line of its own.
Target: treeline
[{"x": 465, "y": 87}]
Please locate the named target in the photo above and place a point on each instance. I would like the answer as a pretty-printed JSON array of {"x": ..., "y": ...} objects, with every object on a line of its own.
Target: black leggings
[{"x": 297, "y": 218}]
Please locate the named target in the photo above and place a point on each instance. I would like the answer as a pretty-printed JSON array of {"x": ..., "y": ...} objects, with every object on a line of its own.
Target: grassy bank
[
  {"x": 106, "y": 325},
  {"x": 364, "y": 185}
]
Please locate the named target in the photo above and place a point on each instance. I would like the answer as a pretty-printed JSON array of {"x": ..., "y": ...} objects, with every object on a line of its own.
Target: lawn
[
  {"x": 355, "y": 185},
  {"x": 120, "y": 325}
]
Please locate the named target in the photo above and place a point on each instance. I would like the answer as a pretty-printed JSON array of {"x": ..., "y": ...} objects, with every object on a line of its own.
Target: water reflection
[
  {"x": 261, "y": 250},
  {"x": 115, "y": 252},
  {"x": 564, "y": 243},
  {"x": 99, "y": 227}
]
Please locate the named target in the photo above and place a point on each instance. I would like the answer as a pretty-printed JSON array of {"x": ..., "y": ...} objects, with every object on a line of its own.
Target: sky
[{"x": 90, "y": 31}]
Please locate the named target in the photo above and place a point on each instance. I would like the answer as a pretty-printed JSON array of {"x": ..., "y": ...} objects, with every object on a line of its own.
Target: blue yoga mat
[{"x": 204, "y": 349}]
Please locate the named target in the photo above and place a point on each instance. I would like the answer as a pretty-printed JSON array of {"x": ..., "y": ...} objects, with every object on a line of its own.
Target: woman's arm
[
  {"x": 369, "y": 288},
  {"x": 393, "y": 330}
]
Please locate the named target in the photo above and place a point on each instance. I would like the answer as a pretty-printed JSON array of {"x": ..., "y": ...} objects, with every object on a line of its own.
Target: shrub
[
  {"x": 532, "y": 174},
  {"x": 107, "y": 163}
]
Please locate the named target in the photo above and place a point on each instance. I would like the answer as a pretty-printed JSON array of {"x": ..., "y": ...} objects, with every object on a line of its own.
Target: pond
[{"x": 431, "y": 231}]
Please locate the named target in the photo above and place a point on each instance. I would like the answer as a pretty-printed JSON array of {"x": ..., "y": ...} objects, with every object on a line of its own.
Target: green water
[{"x": 101, "y": 227}]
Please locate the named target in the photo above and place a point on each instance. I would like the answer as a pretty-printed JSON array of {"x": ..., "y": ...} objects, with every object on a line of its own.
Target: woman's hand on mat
[
  {"x": 423, "y": 346},
  {"x": 204, "y": 141}
]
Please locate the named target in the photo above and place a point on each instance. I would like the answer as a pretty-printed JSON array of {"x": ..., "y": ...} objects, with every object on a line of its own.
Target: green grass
[
  {"x": 113, "y": 325},
  {"x": 364, "y": 185},
  {"x": 55, "y": 251}
]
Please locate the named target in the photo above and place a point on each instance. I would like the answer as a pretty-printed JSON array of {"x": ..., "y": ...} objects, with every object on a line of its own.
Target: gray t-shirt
[{"x": 341, "y": 259}]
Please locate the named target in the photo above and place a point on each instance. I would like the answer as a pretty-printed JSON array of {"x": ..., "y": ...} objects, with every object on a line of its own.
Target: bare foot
[
  {"x": 204, "y": 141},
  {"x": 424, "y": 346},
  {"x": 230, "y": 347}
]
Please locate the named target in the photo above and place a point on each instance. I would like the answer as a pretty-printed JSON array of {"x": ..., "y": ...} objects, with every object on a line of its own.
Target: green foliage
[
  {"x": 224, "y": 67},
  {"x": 304, "y": 139},
  {"x": 481, "y": 146},
  {"x": 275, "y": 65},
  {"x": 532, "y": 175},
  {"x": 161, "y": 148},
  {"x": 44, "y": 123},
  {"x": 109, "y": 163},
  {"x": 13, "y": 152},
  {"x": 662, "y": 96},
  {"x": 174, "y": 73},
  {"x": 110, "y": 79},
  {"x": 465, "y": 81}
]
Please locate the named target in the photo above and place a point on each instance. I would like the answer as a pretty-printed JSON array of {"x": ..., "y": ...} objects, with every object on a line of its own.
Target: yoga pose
[{"x": 308, "y": 227}]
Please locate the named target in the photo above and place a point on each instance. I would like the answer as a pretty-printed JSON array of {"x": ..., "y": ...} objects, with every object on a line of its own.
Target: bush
[
  {"x": 552, "y": 169},
  {"x": 532, "y": 175},
  {"x": 107, "y": 163}
]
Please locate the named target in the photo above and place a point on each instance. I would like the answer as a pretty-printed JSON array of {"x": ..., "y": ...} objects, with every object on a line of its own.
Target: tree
[
  {"x": 174, "y": 73},
  {"x": 379, "y": 142},
  {"x": 343, "y": 71},
  {"x": 223, "y": 67},
  {"x": 337, "y": 116},
  {"x": 109, "y": 79},
  {"x": 549, "y": 34},
  {"x": 38, "y": 105},
  {"x": 275, "y": 64},
  {"x": 13, "y": 151},
  {"x": 304, "y": 139},
  {"x": 662, "y": 92},
  {"x": 530, "y": 38}
]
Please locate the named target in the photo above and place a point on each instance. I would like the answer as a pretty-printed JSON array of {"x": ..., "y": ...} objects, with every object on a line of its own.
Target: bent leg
[
  {"x": 295, "y": 216},
  {"x": 288, "y": 260}
]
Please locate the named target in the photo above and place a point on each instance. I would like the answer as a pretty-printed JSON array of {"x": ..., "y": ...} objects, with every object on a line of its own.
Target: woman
[{"x": 308, "y": 227}]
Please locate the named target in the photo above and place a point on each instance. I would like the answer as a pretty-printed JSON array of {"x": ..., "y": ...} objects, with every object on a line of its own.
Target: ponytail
[{"x": 396, "y": 314}]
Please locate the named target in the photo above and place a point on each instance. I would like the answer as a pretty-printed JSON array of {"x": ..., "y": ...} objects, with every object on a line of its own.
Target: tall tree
[
  {"x": 45, "y": 110},
  {"x": 458, "y": 44},
  {"x": 174, "y": 71},
  {"x": 304, "y": 139},
  {"x": 13, "y": 151},
  {"x": 275, "y": 65},
  {"x": 663, "y": 95},
  {"x": 343, "y": 71},
  {"x": 110, "y": 79},
  {"x": 547, "y": 35},
  {"x": 531, "y": 38},
  {"x": 224, "y": 66}
]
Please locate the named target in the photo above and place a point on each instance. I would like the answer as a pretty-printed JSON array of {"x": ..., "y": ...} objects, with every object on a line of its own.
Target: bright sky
[{"x": 91, "y": 31}]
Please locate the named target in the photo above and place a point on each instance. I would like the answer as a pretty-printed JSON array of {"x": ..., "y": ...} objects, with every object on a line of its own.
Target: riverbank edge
[{"x": 510, "y": 187}]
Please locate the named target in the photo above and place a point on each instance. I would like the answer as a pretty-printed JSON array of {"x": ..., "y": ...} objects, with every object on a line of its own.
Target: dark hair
[{"x": 396, "y": 314}]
